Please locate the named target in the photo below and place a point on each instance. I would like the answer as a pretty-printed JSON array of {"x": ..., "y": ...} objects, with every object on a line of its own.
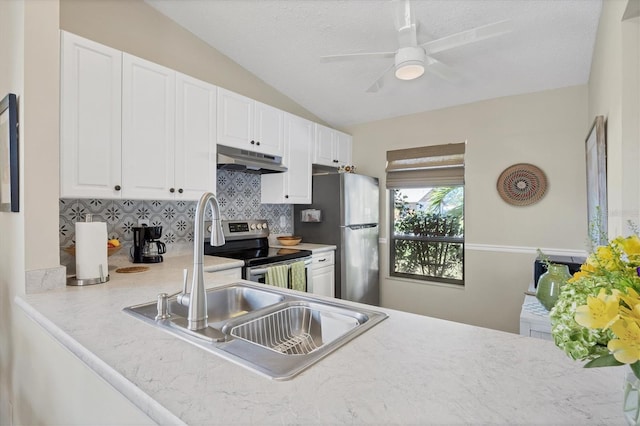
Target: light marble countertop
[{"x": 407, "y": 369}]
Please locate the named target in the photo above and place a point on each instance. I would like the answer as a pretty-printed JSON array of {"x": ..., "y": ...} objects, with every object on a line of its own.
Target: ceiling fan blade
[
  {"x": 405, "y": 23},
  {"x": 466, "y": 37},
  {"x": 440, "y": 69},
  {"x": 347, "y": 56},
  {"x": 379, "y": 83}
]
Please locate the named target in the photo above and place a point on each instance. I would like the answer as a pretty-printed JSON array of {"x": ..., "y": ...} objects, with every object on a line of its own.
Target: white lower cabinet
[
  {"x": 294, "y": 185},
  {"x": 322, "y": 274}
]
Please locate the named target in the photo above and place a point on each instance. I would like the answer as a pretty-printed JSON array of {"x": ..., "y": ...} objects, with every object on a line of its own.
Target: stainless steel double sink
[{"x": 275, "y": 333}]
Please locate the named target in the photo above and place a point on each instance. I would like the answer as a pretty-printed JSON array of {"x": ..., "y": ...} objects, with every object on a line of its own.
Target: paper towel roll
[{"x": 91, "y": 250}]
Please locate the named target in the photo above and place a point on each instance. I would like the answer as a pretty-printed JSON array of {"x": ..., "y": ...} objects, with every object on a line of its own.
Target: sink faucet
[{"x": 197, "y": 300}]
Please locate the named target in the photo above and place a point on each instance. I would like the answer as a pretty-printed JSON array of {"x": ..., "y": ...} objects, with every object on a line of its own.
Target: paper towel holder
[{"x": 74, "y": 281}]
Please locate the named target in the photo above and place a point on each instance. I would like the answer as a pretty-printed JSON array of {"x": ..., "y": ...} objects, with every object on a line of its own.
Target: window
[{"x": 427, "y": 214}]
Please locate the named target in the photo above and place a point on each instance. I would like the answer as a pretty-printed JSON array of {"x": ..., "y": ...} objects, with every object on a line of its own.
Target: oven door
[{"x": 258, "y": 273}]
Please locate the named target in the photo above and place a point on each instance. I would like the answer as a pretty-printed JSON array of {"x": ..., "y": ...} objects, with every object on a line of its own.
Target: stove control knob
[
  {"x": 264, "y": 225},
  {"x": 209, "y": 229},
  {"x": 253, "y": 226}
]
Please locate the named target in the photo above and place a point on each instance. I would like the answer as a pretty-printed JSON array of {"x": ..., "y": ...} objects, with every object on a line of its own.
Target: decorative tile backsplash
[{"x": 238, "y": 197}]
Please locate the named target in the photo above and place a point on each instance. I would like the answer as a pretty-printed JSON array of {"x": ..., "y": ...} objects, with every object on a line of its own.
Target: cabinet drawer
[{"x": 320, "y": 260}]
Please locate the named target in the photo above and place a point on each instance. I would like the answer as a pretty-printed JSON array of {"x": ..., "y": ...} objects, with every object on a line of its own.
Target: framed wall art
[
  {"x": 9, "y": 177},
  {"x": 596, "y": 157}
]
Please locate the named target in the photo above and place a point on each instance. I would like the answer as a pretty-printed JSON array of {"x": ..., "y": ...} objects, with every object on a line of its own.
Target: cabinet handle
[
  {"x": 258, "y": 143},
  {"x": 172, "y": 190},
  {"x": 323, "y": 260},
  {"x": 335, "y": 161},
  {"x": 286, "y": 196},
  {"x": 180, "y": 191},
  {"x": 253, "y": 142},
  {"x": 117, "y": 187}
]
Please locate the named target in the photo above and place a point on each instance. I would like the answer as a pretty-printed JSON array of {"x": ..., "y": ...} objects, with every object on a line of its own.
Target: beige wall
[
  {"x": 546, "y": 129},
  {"x": 614, "y": 92},
  {"x": 12, "y": 246},
  {"x": 136, "y": 28}
]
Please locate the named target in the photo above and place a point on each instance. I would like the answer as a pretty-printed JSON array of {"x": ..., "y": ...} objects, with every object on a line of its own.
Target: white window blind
[{"x": 436, "y": 165}]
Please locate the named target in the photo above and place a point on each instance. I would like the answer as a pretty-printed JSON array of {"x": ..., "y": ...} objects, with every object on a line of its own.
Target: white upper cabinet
[
  {"x": 332, "y": 147},
  {"x": 294, "y": 185},
  {"x": 90, "y": 125},
  {"x": 131, "y": 128},
  {"x": 195, "y": 150},
  {"x": 343, "y": 148},
  {"x": 247, "y": 124},
  {"x": 148, "y": 129},
  {"x": 268, "y": 129}
]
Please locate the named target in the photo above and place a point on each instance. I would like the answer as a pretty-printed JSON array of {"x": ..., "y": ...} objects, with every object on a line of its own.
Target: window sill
[{"x": 425, "y": 282}]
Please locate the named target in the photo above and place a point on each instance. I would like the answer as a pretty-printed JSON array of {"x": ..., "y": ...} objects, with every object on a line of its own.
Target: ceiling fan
[{"x": 411, "y": 59}]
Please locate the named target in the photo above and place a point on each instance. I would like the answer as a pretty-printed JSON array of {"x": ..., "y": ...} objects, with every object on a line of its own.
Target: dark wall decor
[
  {"x": 596, "y": 157},
  {"x": 9, "y": 177},
  {"x": 522, "y": 184}
]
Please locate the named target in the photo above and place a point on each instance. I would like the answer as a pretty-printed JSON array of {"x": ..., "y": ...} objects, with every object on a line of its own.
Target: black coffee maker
[{"x": 146, "y": 247}]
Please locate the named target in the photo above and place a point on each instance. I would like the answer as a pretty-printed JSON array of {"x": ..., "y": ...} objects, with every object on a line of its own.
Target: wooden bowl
[
  {"x": 110, "y": 250},
  {"x": 289, "y": 240}
]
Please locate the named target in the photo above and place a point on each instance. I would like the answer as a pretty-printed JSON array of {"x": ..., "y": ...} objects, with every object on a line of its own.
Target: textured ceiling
[{"x": 281, "y": 42}]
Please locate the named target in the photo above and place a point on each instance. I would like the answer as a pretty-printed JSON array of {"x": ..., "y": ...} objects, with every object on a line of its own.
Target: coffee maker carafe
[{"x": 146, "y": 247}]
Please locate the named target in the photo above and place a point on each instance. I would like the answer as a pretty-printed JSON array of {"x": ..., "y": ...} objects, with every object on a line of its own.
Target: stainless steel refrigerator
[{"x": 348, "y": 207}]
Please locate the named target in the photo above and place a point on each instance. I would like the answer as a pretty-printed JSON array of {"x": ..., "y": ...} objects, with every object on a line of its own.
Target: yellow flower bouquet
[{"x": 597, "y": 316}]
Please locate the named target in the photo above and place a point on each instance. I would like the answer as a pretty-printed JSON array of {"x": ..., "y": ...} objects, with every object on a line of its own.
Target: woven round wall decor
[{"x": 522, "y": 184}]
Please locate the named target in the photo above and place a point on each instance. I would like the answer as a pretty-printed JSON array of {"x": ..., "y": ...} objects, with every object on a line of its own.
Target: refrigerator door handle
[{"x": 364, "y": 226}]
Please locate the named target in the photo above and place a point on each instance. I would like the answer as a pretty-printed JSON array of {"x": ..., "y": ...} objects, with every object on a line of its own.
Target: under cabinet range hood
[{"x": 248, "y": 161}]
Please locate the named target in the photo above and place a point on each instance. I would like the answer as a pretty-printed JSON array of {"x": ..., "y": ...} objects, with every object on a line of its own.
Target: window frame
[{"x": 392, "y": 246}]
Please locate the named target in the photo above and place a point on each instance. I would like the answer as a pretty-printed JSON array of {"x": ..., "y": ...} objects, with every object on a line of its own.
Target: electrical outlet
[
  {"x": 283, "y": 222},
  {"x": 143, "y": 222}
]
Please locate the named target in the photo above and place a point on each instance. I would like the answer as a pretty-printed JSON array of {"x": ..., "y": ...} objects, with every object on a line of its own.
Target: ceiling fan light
[
  {"x": 409, "y": 62},
  {"x": 409, "y": 70}
]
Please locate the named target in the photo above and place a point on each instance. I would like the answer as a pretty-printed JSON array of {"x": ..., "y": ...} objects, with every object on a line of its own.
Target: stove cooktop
[
  {"x": 263, "y": 256},
  {"x": 247, "y": 240}
]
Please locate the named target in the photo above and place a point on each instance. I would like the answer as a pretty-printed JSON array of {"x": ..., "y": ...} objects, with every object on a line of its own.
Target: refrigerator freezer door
[
  {"x": 359, "y": 276},
  {"x": 360, "y": 199}
]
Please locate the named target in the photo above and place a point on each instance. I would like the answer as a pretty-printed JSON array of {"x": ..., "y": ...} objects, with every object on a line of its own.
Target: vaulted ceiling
[{"x": 282, "y": 42}]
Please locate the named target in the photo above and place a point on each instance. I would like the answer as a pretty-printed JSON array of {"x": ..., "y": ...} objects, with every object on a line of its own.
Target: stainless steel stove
[{"x": 247, "y": 240}]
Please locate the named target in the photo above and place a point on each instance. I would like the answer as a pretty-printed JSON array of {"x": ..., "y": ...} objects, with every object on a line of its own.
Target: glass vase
[
  {"x": 549, "y": 284},
  {"x": 631, "y": 402}
]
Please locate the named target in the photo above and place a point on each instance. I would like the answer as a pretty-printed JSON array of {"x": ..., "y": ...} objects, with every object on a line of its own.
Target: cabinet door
[
  {"x": 294, "y": 185},
  {"x": 90, "y": 126},
  {"x": 148, "y": 129},
  {"x": 323, "y": 280},
  {"x": 299, "y": 134},
  {"x": 343, "y": 148},
  {"x": 323, "y": 152},
  {"x": 235, "y": 120},
  {"x": 195, "y": 150},
  {"x": 268, "y": 129}
]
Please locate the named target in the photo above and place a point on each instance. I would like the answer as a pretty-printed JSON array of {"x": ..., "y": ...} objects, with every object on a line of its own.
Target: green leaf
[
  {"x": 604, "y": 361},
  {"x": 635, "y": 367}
]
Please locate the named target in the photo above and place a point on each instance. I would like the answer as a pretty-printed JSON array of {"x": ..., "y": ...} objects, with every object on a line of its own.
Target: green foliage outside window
[{"x": 429, "y": 236}]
